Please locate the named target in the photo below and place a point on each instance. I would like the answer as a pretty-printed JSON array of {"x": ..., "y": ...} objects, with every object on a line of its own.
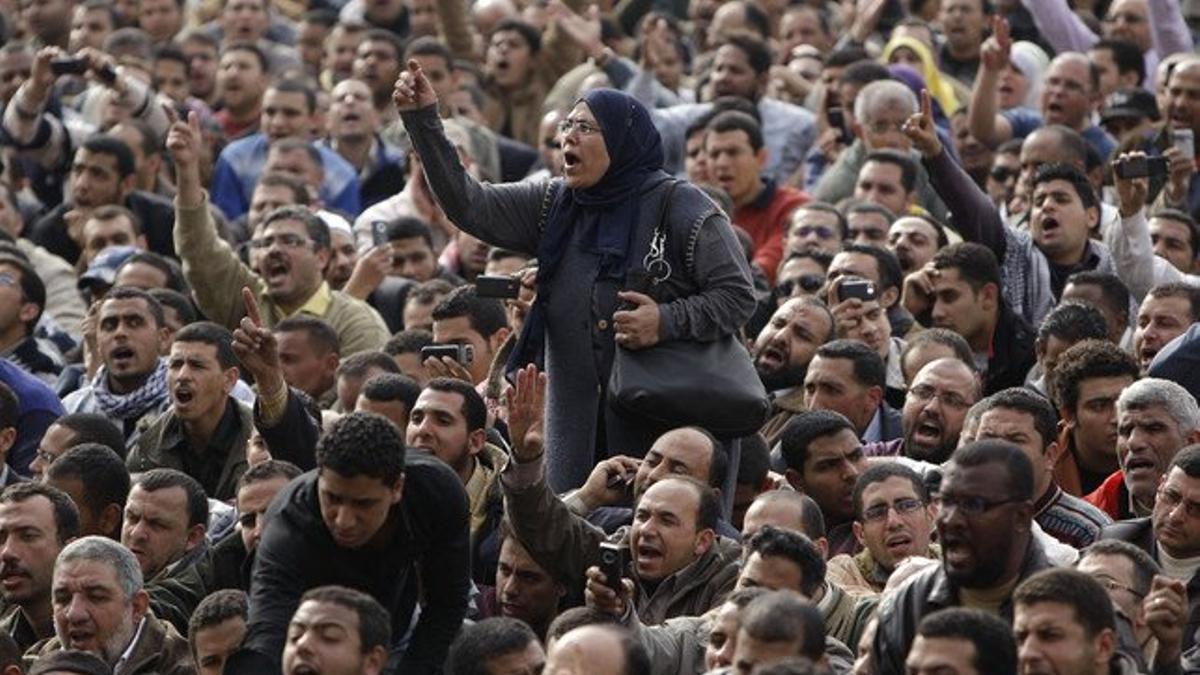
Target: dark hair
[
  {"x": 992, "y": 451},
  {"x": 1184, "y": 219},
  {"x": 1126, "y": 56},
  {"x": 163, "y": 479},
  {"x": 806, "y": 427},
  {"x": 737, "y": 121},
  {"x": 1073, "y": 175},
  {"x": 429, "y": 46},
  {"x": 1072, "y": 322},
  {"x": 708, "y": 507},
  {"x": 1087, "y": 360},
  {"x": 170, "y": 269},
  {"x": 890, "y": 274},
  {"x": 1144, "y": 566},
  {"x": 478, "y": 643},
  {"x": 321, "y": 336},
  {"x": 1027, "y": 401},
  {"x": 1188, "y": 459},
  {"x": 250, "y": 48},
  {"x": 94, "y": 428},
  {"x": 908, "y": 168},
  {"x": 292, "y": 144},
  {"x": 976, "y": 264},
  {"x": 485, "y": 315},
  {"x": 427, "y": 292},
  {"x": 131, "y": 293},
  {"x": 878, "y": 473},
  {"x": 149, "y": 145},
  {"x": 941, "y": 336},
  {"x": 847, "y": 56},
  {"x": 578, "y": 617},
  {"x": 374, "y": 622},
  {"x": 209, "y": 333},
  {"x": 128, "y": 41},
  {"x": 755, "y": 461},
  {"x": 10, "y": 407},
  {"x": 100, "y": 471},
  {"x": 532, "y": 36},
  {"x": 215, "y": 609},
  {"x": 322, "y": 17},
  {"x": 822, "y": 207},
  {"x": 1066, "y": 586},
  {"x": 66, "y": 660},
  {"x": 756, "y": 50},
  {"x": 184, "y": 309},
  {"x": 316, "y": 228},
  {"x": 1113, "y": 291},
  {"x": 402, "y": 388},
  {"x": 357, "y": 364},
  {"x": 408, "y": 342},
  {"x": 363, "y": 444},
  {"x": 300, "y": 194},
  {"x": 105, "y": 144},
  {"x": 869, "y": 369},
  {"x": 66, "y": 515},
  {"x": 410, "y": 227},
  {"x": 784, "y": 616},
  {"x": 473, "y": 408},
  {"x": 32, "y": 288},
  {"x": 757, "y": 19},
  {"x": 777, "y": 542},
  {"x": 862, "y": 73},
  {"x": 871, "y": 207},
  {"x": 1180, "y": 290},
  {"x": 995, "y": 649},
  {"x": 268, "y": 470}
]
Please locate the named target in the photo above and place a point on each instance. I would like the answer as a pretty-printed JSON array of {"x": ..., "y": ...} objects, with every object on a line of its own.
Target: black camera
[
  {"x": 69, "y": 66},
  {"x": 464, "y": 354},
  {"x": 856, "y": 288},
  {"x": 497, "y": 286},
  {"x": 1141, "y": 167},
  {"x": 612, "y": 563}
]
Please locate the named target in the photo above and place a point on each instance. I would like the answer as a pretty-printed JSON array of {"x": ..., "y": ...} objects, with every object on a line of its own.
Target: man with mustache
[
  {"x": 782, "y": 352},
  {"x": 36, "y": 522},
  {"x": 934, "y": 409}
]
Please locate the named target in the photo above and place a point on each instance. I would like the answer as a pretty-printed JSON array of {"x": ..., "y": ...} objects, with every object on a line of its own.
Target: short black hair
[
  {"x": 755, "y": 461},
  {"x": 890, "y": 274},
  {"x": 821, "y": 207},
  {"x": 877, "y": 473},
  {"x": 478, "y": 643},
  {"x": 1113, "y": 291},
  {"x": 995, "y": 649},
  {"x": 1188, "y": 459},
  {"x": 1027, "y": 401},
  {"x": 99, "y": 469},
  {"x": 94, "y": 428},
  {"x": 107, "y": 144},
  {"x": 485, "y": 315},
  {"x": 794, "y": 546},
  {"x": 268, "y": 470},
  {"x": 170, "y": 269},
  {"x": 66, "y": 514},
  {"x": 908, "y": 167},
  {"x": 862, "y": 72},
  {"x": 300, "y": 194},
  {"x": 402, "y": 388},
  {"x": 374, "y": 622},
  {"x": 296, "y": 85},
  {"x": 215, "y": 609},
  {"x": 185, "y": 311},
  {"x": 845, "y": 56},
  {"x": 1127, "y": 57},
  {"x": 427, "y": 45},
  {"x": 869, "y": 369},
  {"x": 132, "y": 293},
  {"x": 321, "y": 336},
  {"x": 163, "y": 479},
  {"x": 410, "y": 227},
  {"x": 1073, "y": 175},
  {"x": 738, "y": 121},
  {"x": 1072, "y": 322},
  {"x": 209, "y": 333},
  {"x": 316, "y": 228},
  {"x": 474, "y": 409},
  {"x": 532, "y": 36},
  {"x": 804, "y": 428},
  {"x": 1144, "y": 566},
  {"x": 976, "y": 264},
  {"x": 408, "y": 342},
  {"x": 941, "y": 336},
  {"x": 784, "y": 616},
  {"x": 1185, "y": 219},
  {"x": 1180, "y": 290},
  {"x": 756, "y": 50},
  {"x": 1016, "y": 464},
  {"x": 363, "y": 444},
  {"x": 1065, "y": 586},
  {"x": 358, "y": 363}
]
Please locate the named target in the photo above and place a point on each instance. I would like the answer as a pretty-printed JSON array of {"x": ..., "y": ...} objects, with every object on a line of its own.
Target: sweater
[{"x": 766, "y": 220}]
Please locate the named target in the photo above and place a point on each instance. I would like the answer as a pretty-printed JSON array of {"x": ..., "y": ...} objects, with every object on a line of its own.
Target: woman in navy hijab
[{"x": 591, "y": 231}]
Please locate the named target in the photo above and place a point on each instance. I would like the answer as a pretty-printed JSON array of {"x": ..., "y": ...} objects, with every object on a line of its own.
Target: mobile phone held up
[
  {"x": 463, "y": 354},
  {"x": 497, "y": 286},
  {"x": 612, "y": 563},
  {"x": 69, "y": 66},
  {"x": 862, "y": 289},
  {"x": 1141, "y": 167}
]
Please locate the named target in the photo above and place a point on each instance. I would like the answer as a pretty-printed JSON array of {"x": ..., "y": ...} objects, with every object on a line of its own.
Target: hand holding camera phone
[
  {"x": 612, "y": 564},
  {"x": 463, "y": 354},
  {"x": 854, "y": 287},
  {"x": 1141, "y": 166},
  {"x": 500, "y": 286}
]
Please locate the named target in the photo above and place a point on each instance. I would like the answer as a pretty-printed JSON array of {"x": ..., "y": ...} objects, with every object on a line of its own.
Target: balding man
[{"x": 597, "y": 650}]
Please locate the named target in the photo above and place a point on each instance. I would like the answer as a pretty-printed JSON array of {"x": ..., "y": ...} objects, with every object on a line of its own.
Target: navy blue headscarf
[{"x": 606, "y": 214}]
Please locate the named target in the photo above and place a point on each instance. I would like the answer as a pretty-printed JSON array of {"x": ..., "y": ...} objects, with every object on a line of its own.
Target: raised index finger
[
  {"x": 251, "y": 307},
  {"x": 926, "y": 106},
  {"x": 1001, "y": 30}
]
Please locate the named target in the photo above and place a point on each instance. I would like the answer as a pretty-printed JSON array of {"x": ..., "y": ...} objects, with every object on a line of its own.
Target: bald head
[
  {"x": 687, "y": 451},
  {"x": 597, "y": 650}
]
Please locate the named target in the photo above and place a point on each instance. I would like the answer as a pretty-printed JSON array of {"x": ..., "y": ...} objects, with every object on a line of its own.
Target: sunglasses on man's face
[{"x": 1002, "y": 174}]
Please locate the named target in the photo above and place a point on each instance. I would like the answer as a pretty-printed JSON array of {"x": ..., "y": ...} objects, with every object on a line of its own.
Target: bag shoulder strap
[
  {"x": 655, "y": 261},
  {"x": 547, "y": 200}
]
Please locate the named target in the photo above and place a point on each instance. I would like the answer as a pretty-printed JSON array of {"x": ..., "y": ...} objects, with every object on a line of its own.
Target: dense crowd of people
[{"x": 360, "y": 337}]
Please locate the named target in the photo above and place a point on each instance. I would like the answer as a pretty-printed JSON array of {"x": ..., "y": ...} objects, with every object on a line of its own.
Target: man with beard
[
  {"x": 1171, "y": 536},
  {"x": 893, "y": 519},
  {"x": 934, "y": 409},
  {"x": 984, "y": 526},
  {"x": 782, "y": 352},
  {"x": 131, "y": 385},
  {"x": 1155, "y": 419},
  {"x": 36, "y": 522},
  {"x": 101, "y": 607},
  {"x": 1027, "y": 420}
]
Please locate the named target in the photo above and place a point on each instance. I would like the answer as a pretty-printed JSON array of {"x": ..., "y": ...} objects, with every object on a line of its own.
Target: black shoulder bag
[{"x": 712, "y": 385}]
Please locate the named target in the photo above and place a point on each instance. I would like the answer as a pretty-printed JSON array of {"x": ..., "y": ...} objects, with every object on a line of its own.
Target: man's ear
[
  {"x": 110, "y": 519},
  {"x": 7, "y": 438},
  {"x": 230, "y": 377},
  {"x": 1052, "y": 455},
  {"x": 989, "y": 296},
  {"x": 1093, "y": 214},
  {"x": 28, "y": 312},
  {"x": 398, "y": 490},
  {"x": 498, "y": 339},
  {"x": 141, "y": 604},
  {"x": 476, "y": 440},
  {"x": 858, "y": 532},
  {"x": 889, "y": 298},
  {"x": 375, "y": 661},
  {"x": 795, "y": 479},
  {"x": 704, "y": 541},
  {"x": 875, "y": 394},
  {"x": 195, "y": 535},
  {"x": 761, "y": 157}
]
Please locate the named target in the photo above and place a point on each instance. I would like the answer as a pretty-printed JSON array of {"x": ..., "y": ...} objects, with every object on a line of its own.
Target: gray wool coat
[{"x": 709, "y": 294}]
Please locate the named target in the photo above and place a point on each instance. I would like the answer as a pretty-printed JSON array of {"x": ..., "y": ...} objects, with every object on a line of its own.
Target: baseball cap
[
  {"x": 103, "y": 270},
  {"x": 1130, "y": 103}
]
